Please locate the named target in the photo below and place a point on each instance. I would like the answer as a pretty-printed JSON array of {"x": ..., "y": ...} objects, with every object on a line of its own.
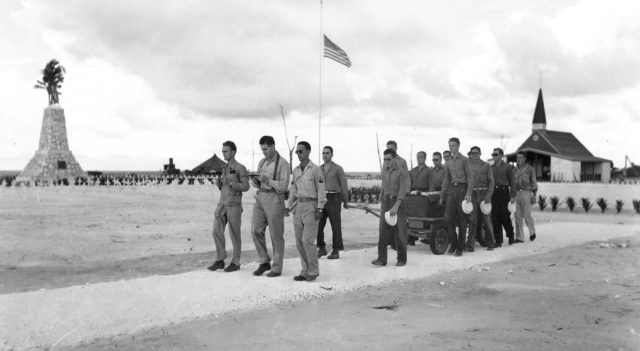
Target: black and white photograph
[{"x": 319, "y": 175}]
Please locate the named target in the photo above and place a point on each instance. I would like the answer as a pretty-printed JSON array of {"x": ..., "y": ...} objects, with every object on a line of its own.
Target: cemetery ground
[{"x": 574, "y": 288}]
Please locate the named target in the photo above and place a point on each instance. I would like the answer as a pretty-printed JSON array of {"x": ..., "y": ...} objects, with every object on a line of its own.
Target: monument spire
[{"x": 539, "y": 116}]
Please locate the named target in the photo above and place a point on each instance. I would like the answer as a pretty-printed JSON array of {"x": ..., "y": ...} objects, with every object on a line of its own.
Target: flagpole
[{"x": 320, "y": 89}]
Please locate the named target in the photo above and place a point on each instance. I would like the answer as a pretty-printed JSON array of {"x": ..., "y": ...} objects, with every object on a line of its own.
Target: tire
[{"x": 439, "y": 240}]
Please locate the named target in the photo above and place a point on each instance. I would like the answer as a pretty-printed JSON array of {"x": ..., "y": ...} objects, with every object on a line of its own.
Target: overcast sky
[{"x": 149, "y": 80}]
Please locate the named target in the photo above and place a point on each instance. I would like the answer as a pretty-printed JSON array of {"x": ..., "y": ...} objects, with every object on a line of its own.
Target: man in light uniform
[
  {"x": 232, "y": 184},
  {"x": 306, "y": 201},
  {"x": 526, "y": 189},
  {"x": 482, "y": 191},
  {"x": 335, "y": 183},
  {"x": 272, "y": 182},
  {"x": 456, "y": 187}
]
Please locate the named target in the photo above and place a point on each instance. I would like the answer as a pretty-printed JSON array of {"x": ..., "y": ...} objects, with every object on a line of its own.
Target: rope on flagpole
[{"x": 320, "y": 90}]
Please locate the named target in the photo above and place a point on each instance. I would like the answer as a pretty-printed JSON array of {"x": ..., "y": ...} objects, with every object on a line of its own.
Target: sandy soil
[
  {"x": 58, "y": 240},
  {"x": 585, "y": 297}
]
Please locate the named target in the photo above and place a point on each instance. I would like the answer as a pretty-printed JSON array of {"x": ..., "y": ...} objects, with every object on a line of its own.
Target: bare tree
[
  {"x": 286, "y": 134},
  {"x": 52, "y": 78}
]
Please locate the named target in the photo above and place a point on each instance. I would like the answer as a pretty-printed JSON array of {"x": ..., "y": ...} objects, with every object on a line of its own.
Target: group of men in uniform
[
  {"x": 314, "y": 195},
  {"x": 459, "y": 180}
]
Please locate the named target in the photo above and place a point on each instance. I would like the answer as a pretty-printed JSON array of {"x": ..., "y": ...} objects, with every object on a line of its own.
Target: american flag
[{"x": 334, "y": 52}]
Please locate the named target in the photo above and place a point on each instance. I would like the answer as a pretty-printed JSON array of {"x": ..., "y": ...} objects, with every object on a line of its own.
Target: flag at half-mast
[{"x": 334, "y": 52}]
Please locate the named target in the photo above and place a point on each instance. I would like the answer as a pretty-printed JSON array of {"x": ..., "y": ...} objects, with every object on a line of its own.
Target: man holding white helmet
[
  {"x": 483, "y": 185},
  {"x": 395, "y": 182},
  {"x": 456, "y": 188},
  {"x": 504, "y": 194}
]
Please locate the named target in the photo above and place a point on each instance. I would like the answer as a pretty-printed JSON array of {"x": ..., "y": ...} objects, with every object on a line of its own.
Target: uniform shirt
[
  {"x": 266, "y": 167},
  {"x": 308, "y": 183},
  {"x": 235, "y": 180},
  {"x": 335, "y": 179},
  {"x": 395, "y": 181},
  {"x": 457, "y": 170},
  {"x": 420, "y": 177},
  {"x": 526, "y": 178},
  {"x": 482, "y": 175},
  {"x": 437, "y": 176},
  {"x": 503, "y": 176}
]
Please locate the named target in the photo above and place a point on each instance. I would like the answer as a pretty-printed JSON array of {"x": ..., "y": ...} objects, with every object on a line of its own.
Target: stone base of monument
[{"x": 53, "y": 160}]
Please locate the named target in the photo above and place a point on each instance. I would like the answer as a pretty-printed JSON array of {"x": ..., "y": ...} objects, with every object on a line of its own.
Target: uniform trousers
[
  {"x": 396, "y": 234},
  {"x": 453, "y": 215},
  {"x": 305, "y": 227},
  {"x": 269, "y": 211},
  {"x": 478, "y": 219},
  {"x": 523, "y": 211},
  {"x": 500, "y": 216},
  {"x": 332, "y": 211},
  {"x": 231, "y": 214}
]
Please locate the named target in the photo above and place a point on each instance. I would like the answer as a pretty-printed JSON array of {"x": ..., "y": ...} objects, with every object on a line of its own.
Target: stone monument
[{"x": 53, "y": 160}]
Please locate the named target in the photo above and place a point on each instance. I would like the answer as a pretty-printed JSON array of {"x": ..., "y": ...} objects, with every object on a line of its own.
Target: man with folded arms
[
  {"x": 505, "y": 192},
  {"x": 483, "y": 185},
  {"x": 456, "y": 187},
  {"x": 306, "y": 201},
  {"x": 335, "y": 183},
  {"x": 395, "y": 181},
  {"x": 232, "y": 184}
]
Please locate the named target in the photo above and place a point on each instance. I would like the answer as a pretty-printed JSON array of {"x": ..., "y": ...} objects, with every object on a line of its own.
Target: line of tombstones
[{"x": 115, "y": 181}]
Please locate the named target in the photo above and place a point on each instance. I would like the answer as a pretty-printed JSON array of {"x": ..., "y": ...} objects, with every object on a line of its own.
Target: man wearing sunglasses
[
  {"x": 335, "y": 183},
  {"x": 437, "y": 172},
  {"x": 505, "y": 192},
  {"x": 306, "y": 202},
  {"x": 483, "y": 187}
]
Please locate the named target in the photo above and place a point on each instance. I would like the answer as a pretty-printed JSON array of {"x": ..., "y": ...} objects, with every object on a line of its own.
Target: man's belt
[
  {"x": 481, "y": 188},
  {"x": 458, "y": 184},
  {"x": 524, "y": 189},
  {"x": 265, "y": 190},
  {"x": 332, "y": 192},
  {"x": 501, "y": 186},
  {"x": 307, "y": 199}
]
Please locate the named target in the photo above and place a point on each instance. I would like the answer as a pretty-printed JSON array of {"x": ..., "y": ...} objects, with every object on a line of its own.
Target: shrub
[
  {"x": 555, "y": 203},
  {"x": 571, "y": 203},
  {"x": 602, "y": 203},
  {"x": 542, "y": 202},
  {"x": 636, "y": 206},
  {"x": 619, "y": 204},
  {"x": 586, "y": 204}
]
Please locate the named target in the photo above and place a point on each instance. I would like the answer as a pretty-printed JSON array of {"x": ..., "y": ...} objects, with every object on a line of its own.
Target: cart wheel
[{"x": 439, "y": 241}]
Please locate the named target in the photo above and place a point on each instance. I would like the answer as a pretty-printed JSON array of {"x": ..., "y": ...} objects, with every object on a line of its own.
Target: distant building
[
  {"x": 170, "y": 168},
  {"x": 560, "y": 156},
  {"x": 213, "y": 165}
]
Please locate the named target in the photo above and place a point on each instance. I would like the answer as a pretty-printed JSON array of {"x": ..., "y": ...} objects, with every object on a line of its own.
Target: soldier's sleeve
[
  {"x": 293, "y": 192},
  {"x": 282, "y": 180},
  {"x": 512, "y": 181},
  {"x": 534, "y": 182},
  {"x": 244, "y": 179},
  {"x": 404, "y": 184},
  {"x": 492, "y": 181},
  {"x": 344, "y": 185},
  {"x": 470, "y": 176},
  {"x": 445, "y": 182},
  {"x": 322, "y": 193}
]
